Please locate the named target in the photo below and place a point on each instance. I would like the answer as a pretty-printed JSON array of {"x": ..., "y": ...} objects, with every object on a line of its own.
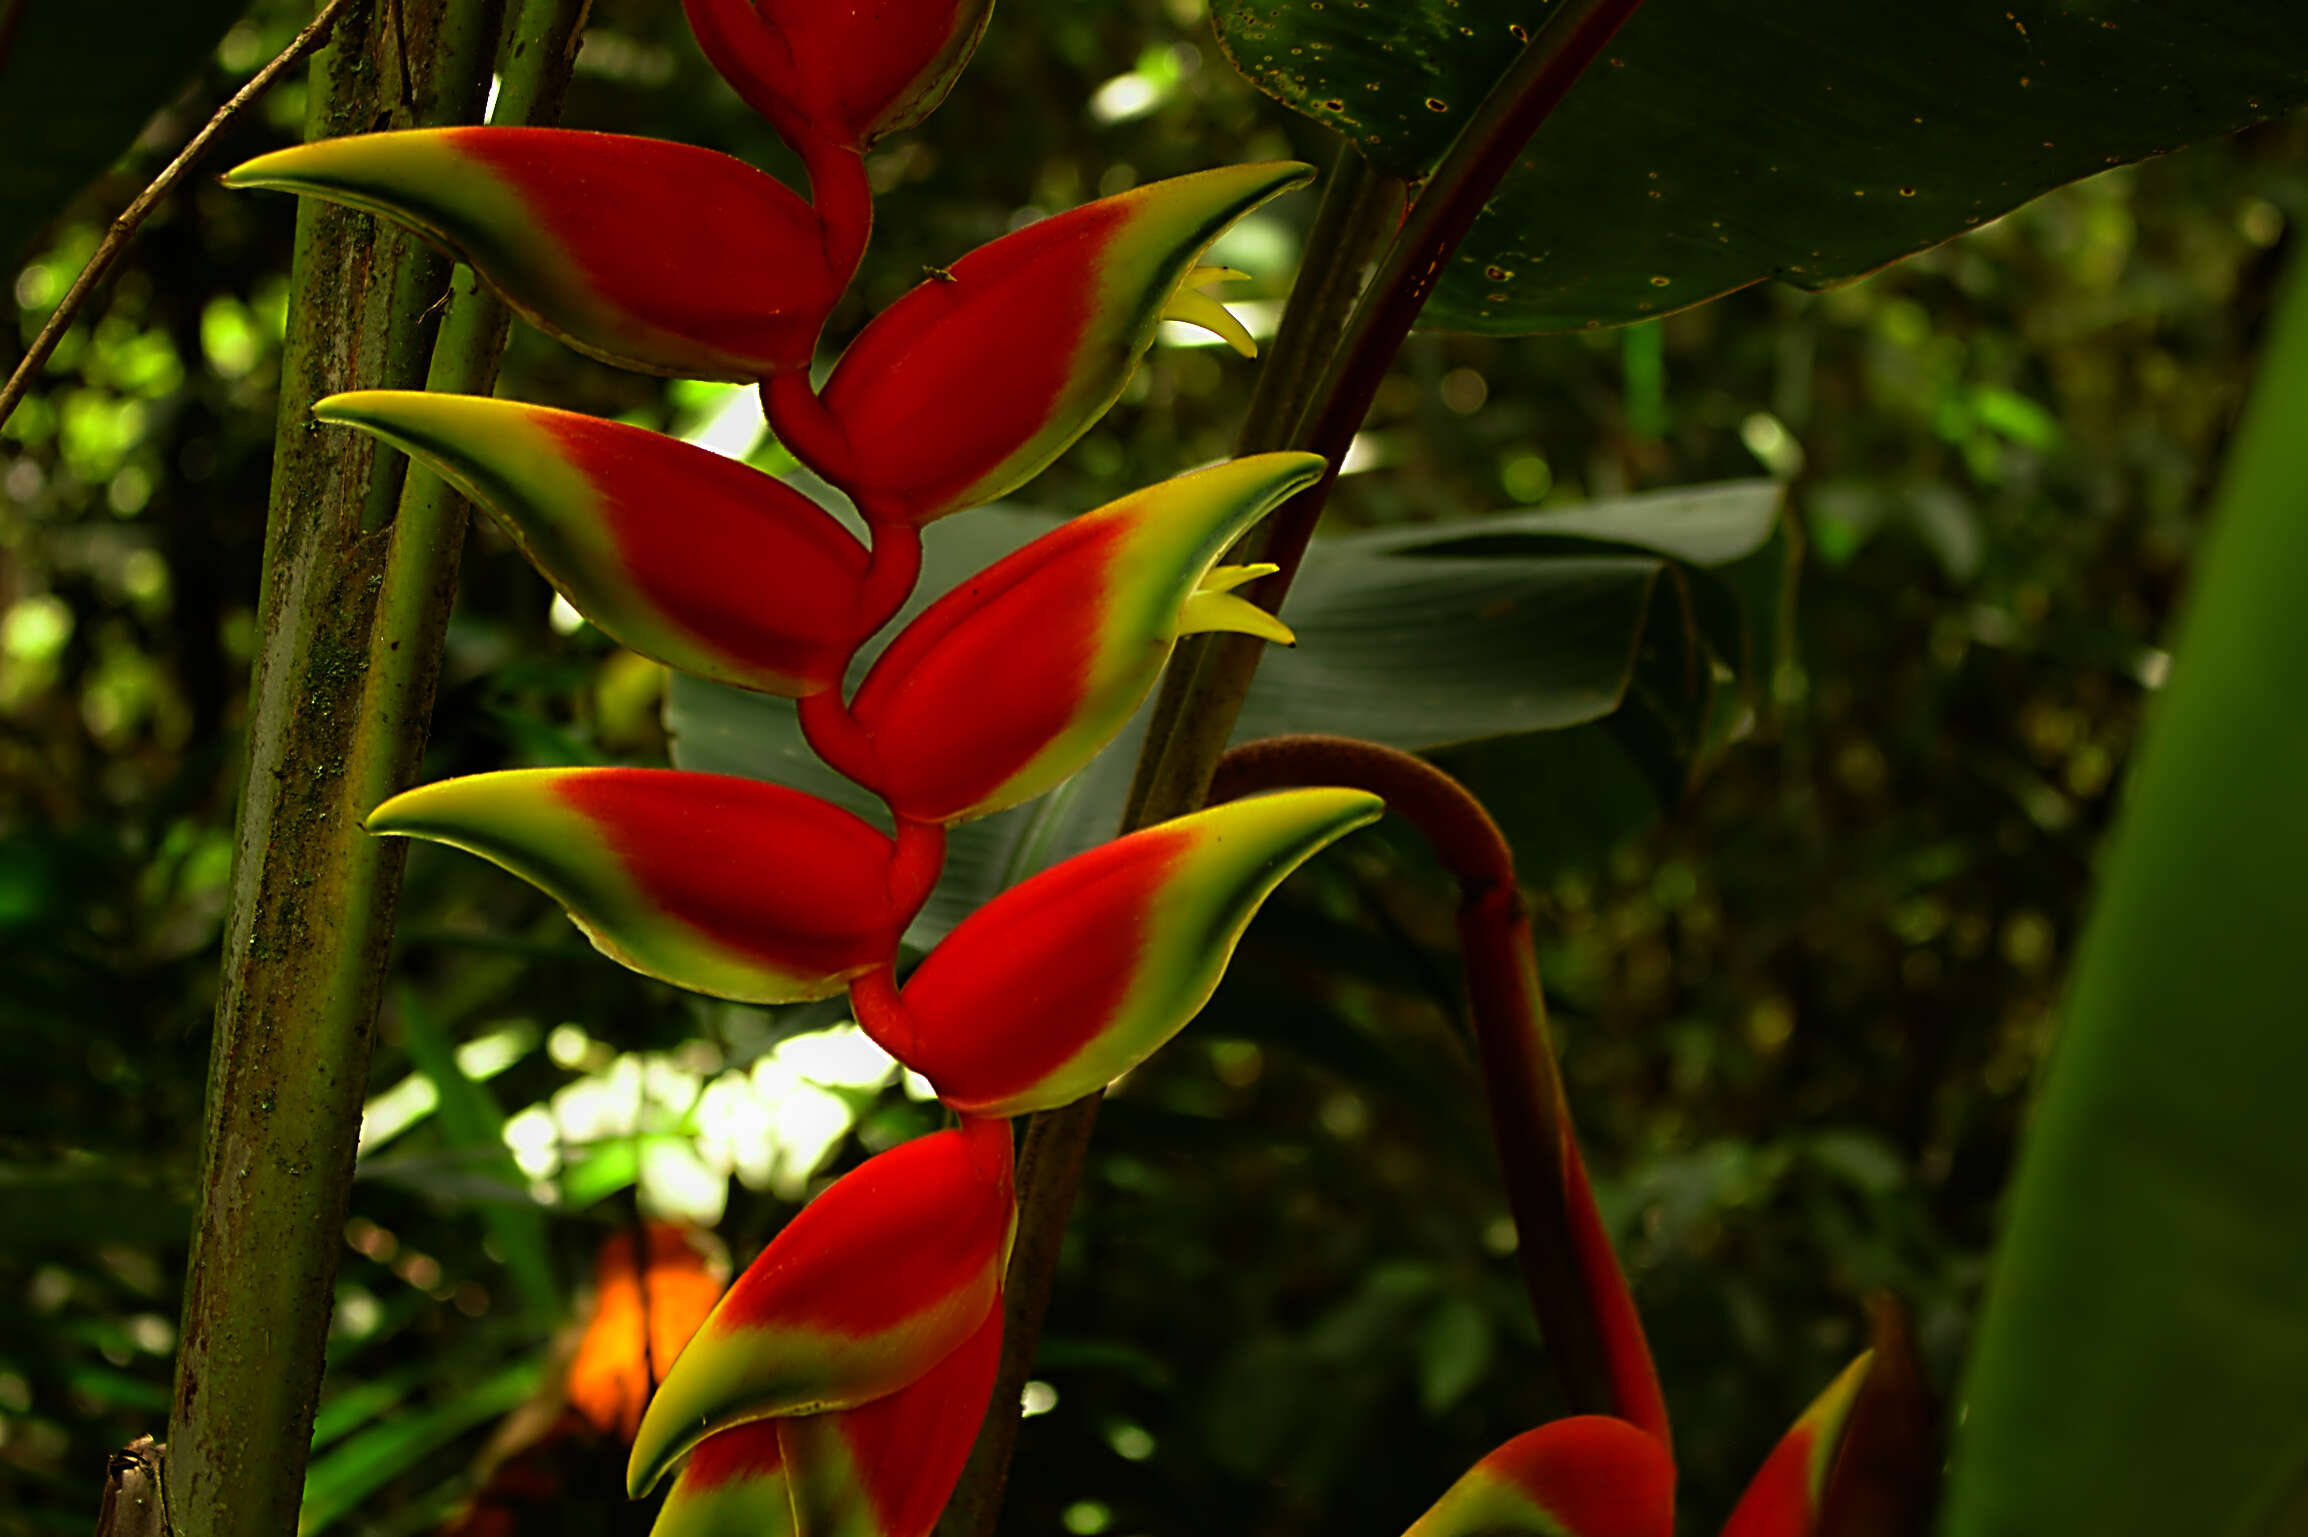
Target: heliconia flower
[
  {"x": 1016, "y": 678},
  {"x": 727, "y": 886},
  {"x": 839, "y": 71},
  {"x": 870, "y": 1286},
  {"x": 676, "y": 552},
  {"x": 1784, "y": 1497},
  {"x": 1068, "y": 980},
  {"x": 1588, "y": 1476},
  {"x": 655, "y": 256},
  {"x": 970, "y": 384}
]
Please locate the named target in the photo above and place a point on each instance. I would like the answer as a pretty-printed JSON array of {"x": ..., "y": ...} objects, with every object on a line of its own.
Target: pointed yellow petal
[
  {"x": 1199, "y": 309},
  {"x": 1227, "y": 578},
  {"x": 1202, "y": 275},
  {"x": 1208, "y": 610}
]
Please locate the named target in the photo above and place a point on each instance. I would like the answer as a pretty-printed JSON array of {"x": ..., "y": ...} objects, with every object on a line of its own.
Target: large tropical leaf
[
  {"x": 78, "y": 79},
  {"x": 1445, "y": 633},
  {"x": 1718, "y": 144},
  {"x": 2143, "y": 1361}
]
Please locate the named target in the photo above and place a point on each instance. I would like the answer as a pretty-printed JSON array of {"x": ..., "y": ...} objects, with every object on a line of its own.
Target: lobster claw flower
[
  {"x": 675, "y": 552},
  {"x": 660, "y": 257},
  {"x": 1016, "y": 678},
  {"x": 1588, "y": 1476},
  {"x": 971, "y": 383},
  {"x": 1068, "y": 980},
  {"x": 839, "y": 71},
  {"x": 1784, "y": 1498},
  {"x": 726, "y": 886},
  {"x": 884, "y": 1469},
  {"x": 874, "y": 1283}
]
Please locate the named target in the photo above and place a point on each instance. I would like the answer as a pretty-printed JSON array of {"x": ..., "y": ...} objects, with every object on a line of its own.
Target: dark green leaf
[
  {"x": 78, "y": 80},
  {"x": 2143, "y": 1362},
  {"x": 1717, "y": 145}
]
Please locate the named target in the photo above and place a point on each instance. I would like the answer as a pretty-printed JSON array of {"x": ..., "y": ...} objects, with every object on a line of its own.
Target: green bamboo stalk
[{"x": 359, "y": 563}]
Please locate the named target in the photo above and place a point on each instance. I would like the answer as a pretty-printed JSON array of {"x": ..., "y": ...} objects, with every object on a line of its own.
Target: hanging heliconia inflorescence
[
  {"x": 838, "y": 1385},
  {"x": 840, "y": 1382}
]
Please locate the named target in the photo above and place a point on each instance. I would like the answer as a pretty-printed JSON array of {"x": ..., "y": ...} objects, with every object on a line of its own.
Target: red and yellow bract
[
  {"x": 726, "y": 886},
  {"x": 1013, "y": 681},
  {"x": 1058, "y": 312},
  {"x": 1066, "y": 981},
  {"x": 709, "y": 270},
  {"x": 870, "y": 1286},
  {"x": 678, "y": 553},
  {"x": 839, "y": 71},
  {"x": 1587, "y": 1476}
]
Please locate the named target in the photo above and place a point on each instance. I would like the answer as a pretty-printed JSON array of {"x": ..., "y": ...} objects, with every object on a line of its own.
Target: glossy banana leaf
[
  {"x": 2142, "y": 1364},
  {"x": 1719, "y": 144}
]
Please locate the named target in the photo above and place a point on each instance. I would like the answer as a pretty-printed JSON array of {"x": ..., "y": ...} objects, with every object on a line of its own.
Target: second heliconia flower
[
  {"x": 1588, "y": 1476},
  {"x": 1018, "y": 677}
]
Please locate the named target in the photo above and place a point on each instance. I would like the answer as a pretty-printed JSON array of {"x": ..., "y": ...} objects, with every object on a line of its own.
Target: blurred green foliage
[{"x": 1799, "y": 1006}]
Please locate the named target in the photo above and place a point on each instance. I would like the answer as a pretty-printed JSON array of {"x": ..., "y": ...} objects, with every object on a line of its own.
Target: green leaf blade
[{"x": 2143, "y": 1362}]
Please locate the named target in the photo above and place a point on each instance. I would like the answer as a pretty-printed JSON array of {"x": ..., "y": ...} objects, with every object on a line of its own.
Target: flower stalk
[{"x": 351, "y": 611}]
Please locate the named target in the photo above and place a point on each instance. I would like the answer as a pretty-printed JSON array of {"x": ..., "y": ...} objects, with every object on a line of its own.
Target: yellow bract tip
[
  {"x": 1227, "y": 578},
  {"x": 1199, "y": 309},
  {"x": 1217, "y": 610}
]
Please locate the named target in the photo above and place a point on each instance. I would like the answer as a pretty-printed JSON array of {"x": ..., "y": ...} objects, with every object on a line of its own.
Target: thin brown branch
[{"x": 131, "y": 218}]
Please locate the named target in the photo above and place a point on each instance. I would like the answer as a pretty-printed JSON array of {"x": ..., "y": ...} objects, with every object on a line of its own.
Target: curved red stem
[
  {"x": 807, "y": 429},
  {"x": 1586, "y": 1313},
  {"x": 890, "y": 575},
  {"x": 843, "y": 198}
]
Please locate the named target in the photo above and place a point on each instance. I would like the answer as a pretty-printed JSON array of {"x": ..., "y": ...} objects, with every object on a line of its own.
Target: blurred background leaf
[{"x": 78, "y": 80}]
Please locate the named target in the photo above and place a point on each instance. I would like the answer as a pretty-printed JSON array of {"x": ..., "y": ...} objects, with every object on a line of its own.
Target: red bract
[
  {"x": 1589, "y": 1476},
  {"x": 839, "y": 71},
  {"x": 884, "y": 1469},
  {"x": 728, "y": 886},
  {"x": 873, "y": 1284},
  {"x": 1064, "y": 982},
  {"x": 1014, "y": 680},
  {"x": 707, "y": 269},
  {"x": 970, "y": 384},
  {"x": 1784, "y": 1498},
  {"x": 682, "y": 555},
  {"x": 734, "y": 1484}
]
